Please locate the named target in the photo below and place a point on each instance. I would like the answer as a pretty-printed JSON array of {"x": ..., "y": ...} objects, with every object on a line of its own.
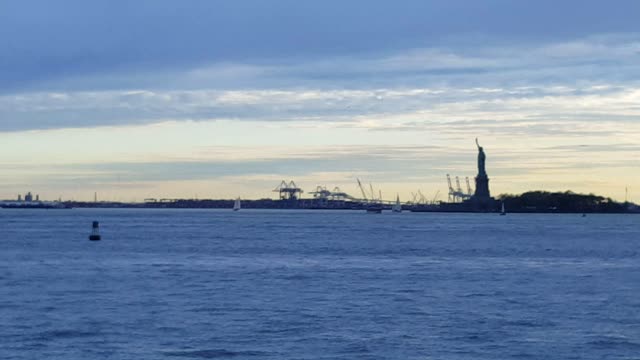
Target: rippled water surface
[{"x": 211, "y": 284}]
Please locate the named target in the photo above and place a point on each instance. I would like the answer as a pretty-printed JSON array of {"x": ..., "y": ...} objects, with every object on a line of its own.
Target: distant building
[{"x": 28, "y": 197}]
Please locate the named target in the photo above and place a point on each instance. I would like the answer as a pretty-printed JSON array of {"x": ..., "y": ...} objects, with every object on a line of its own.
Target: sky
[{"x": 218, "y": 99}]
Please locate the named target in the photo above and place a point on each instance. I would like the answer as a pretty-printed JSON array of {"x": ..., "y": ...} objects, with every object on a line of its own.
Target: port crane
[
  {"x": 452, "y": 192},
  {"x": 458, "y": 185},
  {"x": 423, "y": 199},
  {"x": 323, "y": 193},
  {"x": 364, "y": 193},
  {"x": 371, "y": 198},
  {"x": 435, "y": 197},
  {"x": 288, "y": 191},
  {"x": 457, "y": 194}
]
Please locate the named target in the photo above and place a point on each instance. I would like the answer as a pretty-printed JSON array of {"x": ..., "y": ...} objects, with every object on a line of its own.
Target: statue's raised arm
[{"x": 477, "y": 144}]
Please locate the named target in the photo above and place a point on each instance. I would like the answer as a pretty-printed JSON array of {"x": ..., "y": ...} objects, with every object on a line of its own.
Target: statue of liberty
[
  {"x": 481, "y": 160},
  {"x": 482, "y": 180}
]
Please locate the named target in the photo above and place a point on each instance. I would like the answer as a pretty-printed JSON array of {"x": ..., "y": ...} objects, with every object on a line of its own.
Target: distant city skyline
[{"x": 154, "y": 99}]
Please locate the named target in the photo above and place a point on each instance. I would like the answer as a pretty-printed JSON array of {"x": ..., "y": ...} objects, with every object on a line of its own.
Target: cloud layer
[{"x": 48, "y": 41}]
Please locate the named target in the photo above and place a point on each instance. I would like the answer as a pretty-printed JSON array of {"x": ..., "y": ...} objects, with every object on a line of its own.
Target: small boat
[
  {"x": 236, "y": 205},
  {"x": 374, "y": 208},
  {"x": 503, "y": 212},
  {"x": 397, "y": 207}
]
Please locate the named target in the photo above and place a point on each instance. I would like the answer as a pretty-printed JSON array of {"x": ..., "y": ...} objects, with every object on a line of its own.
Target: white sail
[
  {"x": 236, "y": 205},
  {"x": 397, "y": 207}
]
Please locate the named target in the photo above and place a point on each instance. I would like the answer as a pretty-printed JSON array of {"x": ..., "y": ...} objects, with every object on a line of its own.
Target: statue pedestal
[
  {"x": 482, "y": 200},
  {"x": 482, "y": 187}
]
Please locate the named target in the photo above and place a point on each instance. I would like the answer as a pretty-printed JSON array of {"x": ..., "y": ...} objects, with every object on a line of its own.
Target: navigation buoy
[{"x": 95, "y": 232}]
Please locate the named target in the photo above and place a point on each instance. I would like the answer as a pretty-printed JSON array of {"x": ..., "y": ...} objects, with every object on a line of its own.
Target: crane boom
[
  {"x": 364, "y": 195},
  {"x": 435, "y": 197},
  {"x": 458, "y": 185}
]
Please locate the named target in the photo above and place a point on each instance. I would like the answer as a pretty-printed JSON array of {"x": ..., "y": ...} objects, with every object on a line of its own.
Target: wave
[
  {"x": 64, "y": 334},
  {"x": 212, "y": 353},
  {"x": 609, "y": 342}
]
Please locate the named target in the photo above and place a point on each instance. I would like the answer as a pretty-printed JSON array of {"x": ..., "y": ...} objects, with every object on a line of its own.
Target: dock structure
[
  {"x": 288, "y": 191},
  {"x": 323, "y": 193}
]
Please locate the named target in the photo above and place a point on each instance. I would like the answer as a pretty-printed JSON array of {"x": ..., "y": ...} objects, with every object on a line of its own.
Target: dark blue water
[{"x": 187, "y": 284}]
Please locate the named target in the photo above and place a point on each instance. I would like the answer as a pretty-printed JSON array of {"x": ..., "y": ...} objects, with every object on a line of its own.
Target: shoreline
[{"x": 359, "y": 207}]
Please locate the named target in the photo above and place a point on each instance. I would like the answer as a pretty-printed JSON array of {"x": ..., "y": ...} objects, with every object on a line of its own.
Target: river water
[{"x": 267, "y": 284}]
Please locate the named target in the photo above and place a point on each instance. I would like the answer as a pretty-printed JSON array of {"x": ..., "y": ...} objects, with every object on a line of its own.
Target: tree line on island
[{"x": 567, "y": 201}]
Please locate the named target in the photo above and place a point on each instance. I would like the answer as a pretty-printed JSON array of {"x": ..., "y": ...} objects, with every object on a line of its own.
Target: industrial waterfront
[{"x": 291, "y": 196}]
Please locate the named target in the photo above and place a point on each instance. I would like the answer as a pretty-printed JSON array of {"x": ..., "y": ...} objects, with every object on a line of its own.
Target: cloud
[
  {"x": 569, "y": 81},
  {"x": 393, "y": 108},
  {"x": 49, "y": 42},
  {"x": 380, "y": 163}
]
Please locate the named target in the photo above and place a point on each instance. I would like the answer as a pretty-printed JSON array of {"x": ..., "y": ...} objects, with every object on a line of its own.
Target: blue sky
[{"x": 226, "y": 98}]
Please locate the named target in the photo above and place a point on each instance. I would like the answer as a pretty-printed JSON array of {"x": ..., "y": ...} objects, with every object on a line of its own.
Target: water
[{"x": 211, "y": 284}]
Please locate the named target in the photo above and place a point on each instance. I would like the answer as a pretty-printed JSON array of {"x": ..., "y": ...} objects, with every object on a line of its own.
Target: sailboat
[
  {"x": 236, "y": 205},
  {"x": 503, "y": 212},
  {"x": 397, "y": 207}
]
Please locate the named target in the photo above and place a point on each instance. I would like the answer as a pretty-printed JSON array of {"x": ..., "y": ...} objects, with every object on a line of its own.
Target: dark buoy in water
[{"x": 95, "y": 232}]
